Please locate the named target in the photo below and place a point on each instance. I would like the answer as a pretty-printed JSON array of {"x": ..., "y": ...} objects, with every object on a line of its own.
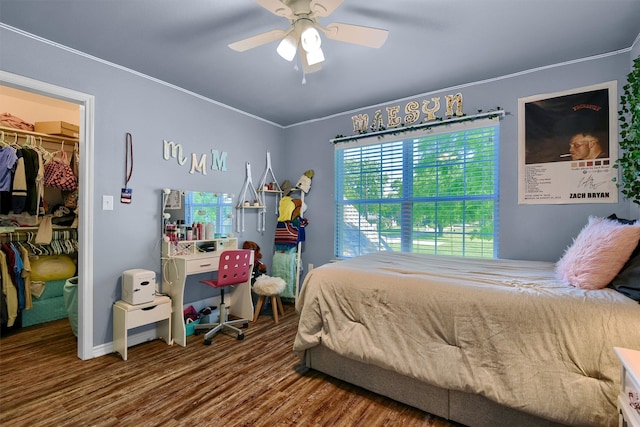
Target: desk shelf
[{"x": 195, "y": 247}]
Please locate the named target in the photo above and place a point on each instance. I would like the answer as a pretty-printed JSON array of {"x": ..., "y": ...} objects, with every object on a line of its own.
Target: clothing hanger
[
  {"x": 5, "y": 143},
  {"x": 19, "y": 242},
  {"x": 69, "y": 247},
  {"x": 44, "y": 153},
  {"x": 31, "y": 247}
]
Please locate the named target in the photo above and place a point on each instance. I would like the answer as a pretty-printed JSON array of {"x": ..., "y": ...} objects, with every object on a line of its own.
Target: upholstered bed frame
[{"x": 466, "y": 408}]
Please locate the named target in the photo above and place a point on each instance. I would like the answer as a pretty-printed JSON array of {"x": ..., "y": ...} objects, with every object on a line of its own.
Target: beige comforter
[{"x": 504, "y": 329}]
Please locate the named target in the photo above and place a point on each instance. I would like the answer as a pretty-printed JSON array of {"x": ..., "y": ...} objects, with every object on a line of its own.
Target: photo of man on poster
[{"x": 567, "y": 128}]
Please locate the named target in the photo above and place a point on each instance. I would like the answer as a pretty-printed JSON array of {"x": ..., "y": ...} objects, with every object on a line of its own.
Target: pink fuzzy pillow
[{"x": 598, "y": 253}]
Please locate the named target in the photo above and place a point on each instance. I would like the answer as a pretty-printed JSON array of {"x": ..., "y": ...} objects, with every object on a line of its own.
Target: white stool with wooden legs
[{"x": 272, "y": 287}]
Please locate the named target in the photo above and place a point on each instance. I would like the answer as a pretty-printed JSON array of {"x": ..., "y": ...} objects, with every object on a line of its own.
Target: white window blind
[
  {"x": 430, "y": 192},
  {"x": 201, "y": 207}
]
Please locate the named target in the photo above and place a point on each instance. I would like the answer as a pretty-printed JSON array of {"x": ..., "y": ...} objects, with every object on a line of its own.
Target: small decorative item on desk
[
  {"x": 629, "y": 397},
  {"x": 634, "y": 400}
]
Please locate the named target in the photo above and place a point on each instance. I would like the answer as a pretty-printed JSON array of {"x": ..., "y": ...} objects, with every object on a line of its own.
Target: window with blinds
[{"x": 436, "y": 193}]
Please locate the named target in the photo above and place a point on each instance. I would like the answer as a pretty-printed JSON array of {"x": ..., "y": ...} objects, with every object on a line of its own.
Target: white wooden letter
[
  {"x": 198, "y": 166},
  {"x": 218, "y": 161},
  {"x": 174, "y": 150}
]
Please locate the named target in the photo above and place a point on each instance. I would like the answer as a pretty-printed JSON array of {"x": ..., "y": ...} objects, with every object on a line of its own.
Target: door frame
[{"x": 85, "y": 219}]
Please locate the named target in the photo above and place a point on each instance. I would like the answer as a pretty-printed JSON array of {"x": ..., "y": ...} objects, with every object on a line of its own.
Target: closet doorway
[{"x": 85, "y": 106}]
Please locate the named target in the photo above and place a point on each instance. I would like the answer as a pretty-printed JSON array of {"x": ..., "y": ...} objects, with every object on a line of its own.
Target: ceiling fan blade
[
  {"x": 258, "y": 40},
  {"x": 276, "y": 7},
  {"x": 321, "y": 8},
  {"x": 356, "y": 34}
]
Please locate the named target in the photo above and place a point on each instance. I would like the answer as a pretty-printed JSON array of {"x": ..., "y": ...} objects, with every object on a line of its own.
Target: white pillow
[{"x": 598, "y": 253}]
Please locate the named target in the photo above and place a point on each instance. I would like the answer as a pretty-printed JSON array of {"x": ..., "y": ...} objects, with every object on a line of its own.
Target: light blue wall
[
  {"x": 535, "y": 232},
  {"x": 128, "y": 237}
]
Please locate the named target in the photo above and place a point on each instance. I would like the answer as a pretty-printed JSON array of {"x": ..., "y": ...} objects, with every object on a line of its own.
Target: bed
[{"x": 476, "y": 341}]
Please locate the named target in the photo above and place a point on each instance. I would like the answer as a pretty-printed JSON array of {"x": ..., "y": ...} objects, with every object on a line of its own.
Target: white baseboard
[{"x": 132, "y": 339}]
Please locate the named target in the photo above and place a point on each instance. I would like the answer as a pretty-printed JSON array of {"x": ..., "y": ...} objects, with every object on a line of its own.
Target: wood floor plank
[{"x": 257, "y": 381}]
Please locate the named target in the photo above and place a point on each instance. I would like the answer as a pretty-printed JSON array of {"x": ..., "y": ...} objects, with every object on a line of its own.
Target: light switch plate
[{"x": 107, "y": 203}]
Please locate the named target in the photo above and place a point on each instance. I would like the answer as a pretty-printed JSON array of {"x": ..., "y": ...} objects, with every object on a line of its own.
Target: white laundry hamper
[{"x": 70, "y": 293}]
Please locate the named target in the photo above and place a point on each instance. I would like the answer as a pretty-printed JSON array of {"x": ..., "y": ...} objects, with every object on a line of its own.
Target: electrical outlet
[{"x": 107, "y": 203}]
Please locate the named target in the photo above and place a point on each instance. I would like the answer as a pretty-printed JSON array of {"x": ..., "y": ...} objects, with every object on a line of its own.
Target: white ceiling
[{"x": 432, "y": 45}]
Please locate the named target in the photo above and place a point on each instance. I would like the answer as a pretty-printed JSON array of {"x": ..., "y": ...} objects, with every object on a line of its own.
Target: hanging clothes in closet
[
  {"x": 22, "y": 183},
  {"x": 21, "y": 190},
  {"x": 17, "y": 251},
  {"x": 8, "y": 161}
]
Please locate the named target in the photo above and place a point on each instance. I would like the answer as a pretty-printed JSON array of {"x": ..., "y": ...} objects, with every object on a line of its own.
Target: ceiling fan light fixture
[
  {"x": 310, "y": 37},
  {"x": 302, "y": 38},
  {"x": 315, "y": 56},
  {"x": 288, "y": 47}
]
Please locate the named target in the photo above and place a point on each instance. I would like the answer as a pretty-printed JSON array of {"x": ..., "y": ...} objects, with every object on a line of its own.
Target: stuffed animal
[{"x": 259, "y": 268}]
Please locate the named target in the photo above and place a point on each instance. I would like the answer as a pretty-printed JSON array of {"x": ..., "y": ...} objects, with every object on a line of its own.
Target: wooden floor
[{"x": 258, "y": 381}]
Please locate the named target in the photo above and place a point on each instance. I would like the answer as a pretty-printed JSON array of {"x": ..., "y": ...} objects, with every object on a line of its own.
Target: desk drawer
[
  {"x": 202, "y": 265},
  {"x": 148, "y": 315}
]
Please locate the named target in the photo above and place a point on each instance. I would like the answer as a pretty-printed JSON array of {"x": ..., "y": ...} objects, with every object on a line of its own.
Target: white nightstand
[
  {"x": 629, "y": 397},
  {"x": 128, "y": 316}
]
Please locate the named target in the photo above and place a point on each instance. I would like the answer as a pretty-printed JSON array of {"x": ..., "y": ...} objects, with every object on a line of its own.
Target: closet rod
[
  {"x": 61, "y": 233},
  {"x": 49, "y": 142}
]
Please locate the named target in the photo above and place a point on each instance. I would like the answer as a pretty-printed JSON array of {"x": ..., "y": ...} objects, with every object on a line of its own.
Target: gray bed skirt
[{"x": 469, "y": 409}]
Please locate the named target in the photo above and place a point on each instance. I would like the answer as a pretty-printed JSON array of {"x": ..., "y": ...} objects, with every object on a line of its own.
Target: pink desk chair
[{"x": 234, "y": 268}]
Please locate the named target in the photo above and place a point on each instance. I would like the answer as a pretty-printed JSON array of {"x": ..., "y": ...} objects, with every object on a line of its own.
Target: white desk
[{"x": 187, "y": 260}]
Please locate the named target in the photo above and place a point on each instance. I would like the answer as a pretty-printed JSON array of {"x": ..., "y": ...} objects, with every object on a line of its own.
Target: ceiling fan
[{"x": 302, "y": 34}]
